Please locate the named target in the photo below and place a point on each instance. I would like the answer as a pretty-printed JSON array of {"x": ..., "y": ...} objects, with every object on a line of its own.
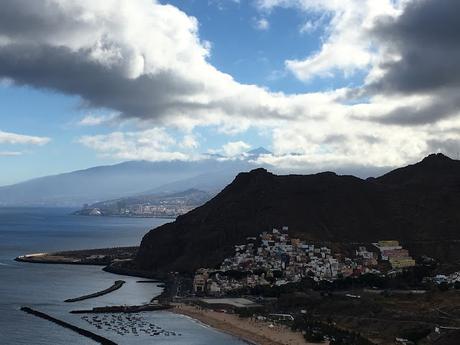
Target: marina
[
  {"x": 84, "y": 332},
  {"x": 124, "y": 325}
]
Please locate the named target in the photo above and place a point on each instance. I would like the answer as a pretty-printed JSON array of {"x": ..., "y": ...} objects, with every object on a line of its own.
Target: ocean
[{"x": 45, "y": 287}]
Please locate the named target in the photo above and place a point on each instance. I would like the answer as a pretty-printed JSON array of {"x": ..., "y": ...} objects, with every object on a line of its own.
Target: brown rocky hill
[{"x": 418, "y": 204}]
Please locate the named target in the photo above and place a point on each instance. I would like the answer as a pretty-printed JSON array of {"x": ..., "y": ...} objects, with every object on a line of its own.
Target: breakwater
[
  {"x": 118, "y": 284},
  {"x": 123, "y": 309},
  {"x": 81, "y": 331}
]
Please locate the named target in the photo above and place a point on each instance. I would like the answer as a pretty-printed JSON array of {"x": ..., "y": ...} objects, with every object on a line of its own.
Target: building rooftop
[{"x": 234, "y": 302}]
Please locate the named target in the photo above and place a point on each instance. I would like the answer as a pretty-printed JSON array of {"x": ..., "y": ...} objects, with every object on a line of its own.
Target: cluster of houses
[
  {"x": 141, "y": 210},
  {"x": 161, "y": 210},
  {"x": 276, "y": 259},
  {"x": 451, "y": 279},
  {"x": 395, "y": 254}
]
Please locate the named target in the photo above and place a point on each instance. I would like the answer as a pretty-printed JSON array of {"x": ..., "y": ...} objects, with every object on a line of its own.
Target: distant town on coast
[{"x": 161, "y": 206}]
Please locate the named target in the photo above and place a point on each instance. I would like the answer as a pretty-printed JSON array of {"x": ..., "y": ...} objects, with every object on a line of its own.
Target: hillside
[
  {"x": 417, "y": 204},
  {"x": 122, "y": 180}
]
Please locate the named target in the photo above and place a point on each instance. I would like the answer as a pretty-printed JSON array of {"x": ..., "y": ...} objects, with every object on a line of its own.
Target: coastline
[
  {"x": 252, "y": 331},
  {"x": 114, "y": 265},
  {"x": 125, "y": 216},
  {"x": 248, "y": 330}
]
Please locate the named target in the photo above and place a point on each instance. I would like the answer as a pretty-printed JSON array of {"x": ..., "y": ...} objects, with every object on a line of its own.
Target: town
[
  {"x": 275, "y": 259},
  {"x": 149, "y": 205},
  {"x": 162, "y": 210}
]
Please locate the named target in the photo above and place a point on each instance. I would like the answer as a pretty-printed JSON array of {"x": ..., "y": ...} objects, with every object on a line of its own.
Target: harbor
[{"x": 93, "y": 336}]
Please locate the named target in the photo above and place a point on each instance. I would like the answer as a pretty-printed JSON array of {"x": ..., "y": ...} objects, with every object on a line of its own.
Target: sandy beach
[{"x": 256, "y": 332}]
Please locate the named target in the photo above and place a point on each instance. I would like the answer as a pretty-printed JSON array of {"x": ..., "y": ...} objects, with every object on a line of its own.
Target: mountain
[
  {"x": 258, "y": 152},
  {"x": 124, "y": 179},
  {"x": 418, "y": 205},
  {"x": 211, "y": 182}
]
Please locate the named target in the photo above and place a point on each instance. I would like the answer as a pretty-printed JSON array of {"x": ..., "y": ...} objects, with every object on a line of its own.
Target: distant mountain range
[
  {"x": 418, "y": 205},
  {"x": 127, "y": 179}
]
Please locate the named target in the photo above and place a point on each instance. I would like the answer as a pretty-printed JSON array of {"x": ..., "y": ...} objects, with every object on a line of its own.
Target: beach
[{"x": 253, "y": 331}]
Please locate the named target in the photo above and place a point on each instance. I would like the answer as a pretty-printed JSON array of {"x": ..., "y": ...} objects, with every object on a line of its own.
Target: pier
[{"x": 123, "y": 309}]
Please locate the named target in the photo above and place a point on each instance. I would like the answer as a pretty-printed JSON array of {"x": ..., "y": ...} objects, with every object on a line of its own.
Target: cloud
[
  {"x": 13, "y": 138},
  {"x": 140, "y": 58},
  {"x": 450, "y": 147},
  {"x": 262, "y": 24},
  {"x": 346, "y": 46},
  {"x": 421, "y": 57},
  {"x": 146, "y": 61},
  {"x": 342, "y": 141},
  {"x": 10, "y": 153},
  {"x": 311, "y": 26},
  {"x": 189, "y": 142},
  {"x": 235, "y": 148},
  {"x": 95, "y": 120},
  {"x": 409, "y": 48},
  {"x": 425, "y": 40},
  {"x": 222, "y": 4},
  {"x": 432, "y": 108},
  {"x": 153, "y": 144}
]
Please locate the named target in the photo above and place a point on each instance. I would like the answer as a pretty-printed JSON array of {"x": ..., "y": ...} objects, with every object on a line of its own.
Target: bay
[{"x": 45, "y": 287}]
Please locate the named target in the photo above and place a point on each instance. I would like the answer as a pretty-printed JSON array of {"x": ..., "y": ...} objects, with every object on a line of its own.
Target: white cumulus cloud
[
  {"x": 153, "y": 144},
  {"x": 14, "y": 138},
  {"x": 235, "y": 148},
  {"x": 347, "y": 43}
]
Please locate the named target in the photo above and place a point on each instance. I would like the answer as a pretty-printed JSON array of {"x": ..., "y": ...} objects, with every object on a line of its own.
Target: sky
[{"x": 323, "y": 84}]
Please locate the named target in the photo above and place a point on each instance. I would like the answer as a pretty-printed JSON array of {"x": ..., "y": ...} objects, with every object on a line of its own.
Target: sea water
[{"x": 44, "y": 287}]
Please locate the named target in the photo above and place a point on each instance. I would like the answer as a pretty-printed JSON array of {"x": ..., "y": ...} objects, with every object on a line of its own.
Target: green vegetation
[{"x": 317, "y": 331}]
